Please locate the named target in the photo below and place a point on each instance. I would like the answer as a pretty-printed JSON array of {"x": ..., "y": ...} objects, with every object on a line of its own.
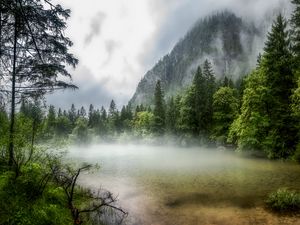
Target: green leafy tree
[
  {"x": 81, "y": 130},
  {"x": 251, "y": 127},
  {"x": 63, "y": 127},
  {"x": 143, "y": 123},
  {"x": 226, "y": 108}
]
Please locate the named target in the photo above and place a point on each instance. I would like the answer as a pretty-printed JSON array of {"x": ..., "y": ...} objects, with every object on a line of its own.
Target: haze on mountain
[{"x": 113, "y": 60}]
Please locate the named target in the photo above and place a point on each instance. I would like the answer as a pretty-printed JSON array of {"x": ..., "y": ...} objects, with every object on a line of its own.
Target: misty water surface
[{"x": 172, "y": 185}]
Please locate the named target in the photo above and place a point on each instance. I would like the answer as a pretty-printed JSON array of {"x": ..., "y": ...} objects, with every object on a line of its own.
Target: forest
[{"x": 259, "y": 114}]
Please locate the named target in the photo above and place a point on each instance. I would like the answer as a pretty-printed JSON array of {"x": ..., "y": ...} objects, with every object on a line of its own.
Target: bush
[
  {"x": 297, "y": 154},
  {"x": 284, "y": 200}
]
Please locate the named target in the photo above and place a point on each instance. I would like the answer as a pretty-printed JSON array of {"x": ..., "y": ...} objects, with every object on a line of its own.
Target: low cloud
[
  {"x": 118, "y": 41},
  {"x": 91, "y": 91},
  {"x": 95, "y": 27}
]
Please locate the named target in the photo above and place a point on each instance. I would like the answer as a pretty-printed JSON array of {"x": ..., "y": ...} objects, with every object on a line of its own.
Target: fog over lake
[{"x": 174, "y": 185}]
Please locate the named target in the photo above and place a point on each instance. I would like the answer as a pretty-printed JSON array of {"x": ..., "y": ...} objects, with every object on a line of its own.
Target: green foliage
[
  {"x": 296, "y": 156},
  {"x": 143, "y": 123},
  {"x": 284, "y": 200},
  {"x": 266, "y": 122},
  {"x": 25, "y": 201},
  {"x": 172, "y": 116},
  {"x": 187, "y": 121},
  {"x": 226, "y": 106},
  {"x": 159, "y": 110},
  {"x": 277, "y": 66},
  {"x": 250, "y": 128},
  {"x": 80, "y": 131}
]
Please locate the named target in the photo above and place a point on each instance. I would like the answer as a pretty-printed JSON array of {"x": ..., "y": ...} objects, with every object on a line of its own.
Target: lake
[{"x": 167, "y": 185}]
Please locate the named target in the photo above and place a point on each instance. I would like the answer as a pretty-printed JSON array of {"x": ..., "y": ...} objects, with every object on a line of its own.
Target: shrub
[
  {"x": 297, "y": 154},
  {"x": 284, "y": 200}
]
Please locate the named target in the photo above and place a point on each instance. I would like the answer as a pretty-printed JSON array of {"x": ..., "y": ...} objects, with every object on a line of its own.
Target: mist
[
  {"x": 112, "y": 68},
  {"x": 165, "y": 184}
]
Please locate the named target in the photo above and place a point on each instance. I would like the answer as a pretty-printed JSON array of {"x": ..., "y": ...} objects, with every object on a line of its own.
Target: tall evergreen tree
[
  {"x": 266, "y": 122},
  {"x": 295, "y": 23},
  {"x": 187, "y": 122},
  {"x": 35, "y": 50},
  {"x": 171, "y": 116},
  {"x": 210, "y": 88},
  {"x": 72, "y": 115},
  {"x": 91, "y": 116},
  {"x": 277, "y": 66},
  {"x": 200, "y": 100},
  {"x": 112, "y": 108},
  {"x": 51, "y": 120},
  {"x": 159, "y": 110},
  {"x": 82, "y": 112}
]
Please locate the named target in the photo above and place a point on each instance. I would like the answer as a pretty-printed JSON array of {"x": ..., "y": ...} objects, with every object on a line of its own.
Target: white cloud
[{"x": 117, "y": 41}]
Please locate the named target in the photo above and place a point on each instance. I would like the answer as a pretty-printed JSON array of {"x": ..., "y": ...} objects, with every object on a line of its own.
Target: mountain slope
[{"x": 226, "y": 40}]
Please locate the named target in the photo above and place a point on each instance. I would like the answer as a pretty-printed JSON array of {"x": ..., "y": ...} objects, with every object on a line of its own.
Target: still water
[{"x": 167, "y": 185}]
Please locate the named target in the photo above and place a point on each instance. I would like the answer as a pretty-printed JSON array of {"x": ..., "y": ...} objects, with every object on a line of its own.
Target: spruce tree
[
  {"x": 171, "y": 116},
  {"x": 82, "y": 112},
  {"x": 200, "y": 99},
  {"x": 91, "y": 116},
  {"x": 159, "y": 110},
  {"x": 72, "y": 115},
  {"x": 35, "y": 51},
  {"x": 51, "y": 120},
  {"x": 295, "y": 23},
  {"x": 277, "y": 66},
  {"x": 209, "y": 77}
]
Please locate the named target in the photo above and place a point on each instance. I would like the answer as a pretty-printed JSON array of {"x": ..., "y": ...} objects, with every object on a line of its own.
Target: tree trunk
[{"x": 13, "y": 97}]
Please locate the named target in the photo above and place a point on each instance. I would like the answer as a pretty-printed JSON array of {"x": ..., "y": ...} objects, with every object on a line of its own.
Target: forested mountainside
[{"x": 230, "y": 43}]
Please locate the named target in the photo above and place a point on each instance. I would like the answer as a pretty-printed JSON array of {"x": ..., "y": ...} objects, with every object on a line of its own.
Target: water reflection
[{"x": 170, "y": 185}]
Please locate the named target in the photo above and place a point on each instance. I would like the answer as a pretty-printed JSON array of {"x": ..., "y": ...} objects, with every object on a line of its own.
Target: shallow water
[{"x": 170, "y": 185}]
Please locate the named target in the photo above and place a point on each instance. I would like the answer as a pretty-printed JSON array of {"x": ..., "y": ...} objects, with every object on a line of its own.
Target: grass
[{"x": 284, "y": 200}]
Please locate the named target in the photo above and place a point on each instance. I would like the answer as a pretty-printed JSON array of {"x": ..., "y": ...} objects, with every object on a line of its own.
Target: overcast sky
[{"x": 118, "y": 41}]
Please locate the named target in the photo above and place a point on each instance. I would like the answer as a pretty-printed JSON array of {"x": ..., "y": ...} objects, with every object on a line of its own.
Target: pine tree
[
  {"x": 35, "y": 51},
  {"x": 112, "y": 108},
  {"x": 171, "y": 116},
  {"x": 277, "y": 66},
  {"x": 295, "y": 23},
  {"x": 200, "y": 100},
  {"x": 187, "y": 122},
  {"x": 91, "y": 116},
  {"x": 72, "y": 115},
  {"x": 113, "y": 117},
  {"x": 159, "y": 110},
  {"x": 59, "y": 114},
  {"x": 266, "y": 122},
  {"x": 210, "y": 88},
  {"x": 51, "y": 120},
  {"x": 82, "y": 112}
]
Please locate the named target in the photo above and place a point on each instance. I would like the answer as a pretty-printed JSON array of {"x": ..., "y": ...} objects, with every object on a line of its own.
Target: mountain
[{"x": 231, "y": 44}]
